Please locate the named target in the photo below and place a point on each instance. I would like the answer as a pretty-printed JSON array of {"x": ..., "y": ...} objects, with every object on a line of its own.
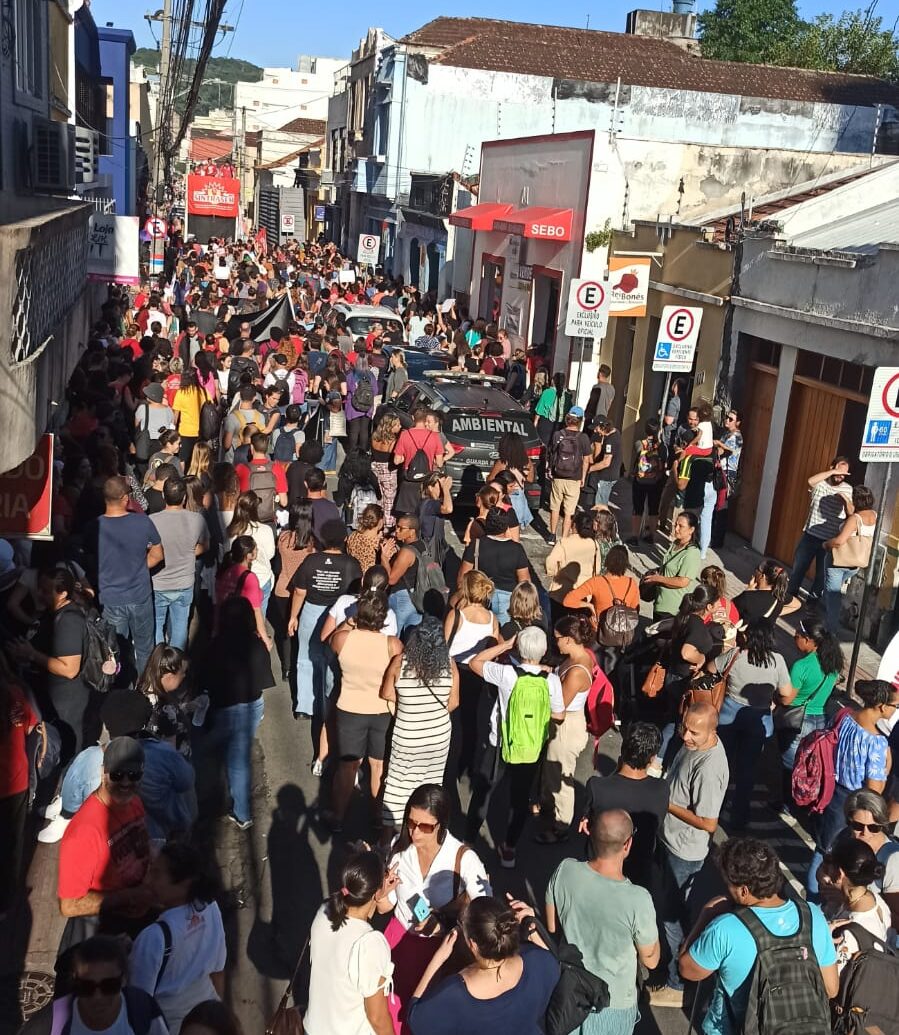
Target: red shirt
[
  {"x": 413, "y": 439},
  {"x": 724, "y": 611},
  {"x": 104, "y": 848},
  {"x": 243, "y": 474},
  {"x": 170, "y": 386},
  {"x": 13, "y": 757}
]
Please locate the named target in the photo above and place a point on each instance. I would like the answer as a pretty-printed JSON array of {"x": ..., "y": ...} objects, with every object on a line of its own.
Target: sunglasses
[
  {"x": 84, "y": 987},
  {"x": 120, "y": 775},
  {"x": 425, "y": 828},
  {"x": 860, "y": 828}
]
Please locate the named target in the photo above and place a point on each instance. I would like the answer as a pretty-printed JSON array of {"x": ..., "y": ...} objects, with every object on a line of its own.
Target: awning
[
  {"x": 543, "y": 224},
  {"x": 479, "y": 217}
]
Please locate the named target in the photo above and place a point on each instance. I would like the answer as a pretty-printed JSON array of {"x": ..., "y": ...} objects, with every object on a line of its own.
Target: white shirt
[
  {"x": 503, "y": 677},
  {"x": 264, "y": 538},
  {"x": 437, "y": 887},
  {"x": 348, "y": 965},
  {"x": 706, "y": 435},
  {"x": 348, "y": 602},
  {"x": 119, "y": 1026},
  {"x": 198, "y": 950}
]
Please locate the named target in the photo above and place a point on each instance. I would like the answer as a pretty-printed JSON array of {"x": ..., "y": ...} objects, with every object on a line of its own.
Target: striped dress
[{"x": 419, "y": 742}]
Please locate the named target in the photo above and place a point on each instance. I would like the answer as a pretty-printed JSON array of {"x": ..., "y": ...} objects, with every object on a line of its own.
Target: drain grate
[{"x": 35, "y": 991}]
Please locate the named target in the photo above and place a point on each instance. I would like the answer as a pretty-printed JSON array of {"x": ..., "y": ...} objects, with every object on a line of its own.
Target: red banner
[
  {"x": 213, "y": 195},
  {"x": 25, "y": 495},
  {"x": 262, "y": 241}
]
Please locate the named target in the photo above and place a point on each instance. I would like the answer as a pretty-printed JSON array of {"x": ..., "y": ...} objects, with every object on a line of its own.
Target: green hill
[{"x": 229, "y": 70}]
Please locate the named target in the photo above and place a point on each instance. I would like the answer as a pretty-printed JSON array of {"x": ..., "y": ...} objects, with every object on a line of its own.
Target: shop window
[{"x": 30, "y": 43}]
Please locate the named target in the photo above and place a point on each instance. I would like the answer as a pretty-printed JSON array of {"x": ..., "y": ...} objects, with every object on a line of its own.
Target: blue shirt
[
  {"x": 726, "y": 946},
  {"x": 122, "y": 544},
  {"x": 860, "y": 755},
  {"x": 450, "y": 1010}
]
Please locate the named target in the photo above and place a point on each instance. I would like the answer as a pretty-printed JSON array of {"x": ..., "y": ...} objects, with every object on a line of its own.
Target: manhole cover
[{"x": 35, "y": 991}]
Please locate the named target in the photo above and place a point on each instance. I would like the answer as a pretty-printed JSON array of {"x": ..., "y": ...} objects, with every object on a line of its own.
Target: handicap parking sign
[{"x": 663, "y": 350}]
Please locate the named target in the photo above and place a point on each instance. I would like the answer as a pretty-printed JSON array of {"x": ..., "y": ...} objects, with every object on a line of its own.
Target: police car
[
  {"x": 475, "y": 413},
  {"x": 361, "y": 318}
]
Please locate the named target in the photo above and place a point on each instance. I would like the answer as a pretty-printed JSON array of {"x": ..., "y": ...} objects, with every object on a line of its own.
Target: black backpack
[
  {"x": 363, "y": 397},
  {"x": 567, "y": 460},
  {"x": 419, "y": 467},
  {"x": 285, "y": 448},
  {"x": 99, "y": 663},
  {"x": 144, "y": 445},
  {"x": 210, "y": 421},
  {"x": 868, "y": 999},
  {"x": 786, "y": 989}
]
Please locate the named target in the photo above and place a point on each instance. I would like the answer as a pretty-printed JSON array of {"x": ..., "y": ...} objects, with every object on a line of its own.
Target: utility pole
[
  {"x": 241, "y": 155},
  {"x": 163, "y": 129}
]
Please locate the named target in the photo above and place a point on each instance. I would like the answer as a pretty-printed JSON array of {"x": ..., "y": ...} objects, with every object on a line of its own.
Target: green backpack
[{"x": 526, "y": 725}]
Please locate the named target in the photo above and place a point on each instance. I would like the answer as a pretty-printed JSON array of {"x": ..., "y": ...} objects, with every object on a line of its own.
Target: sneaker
[
  {"x": 241, "y": 824},
  {"x": 317, "y": 768},
  {"x": 506, "y": 856},
  {"x": 667, "y": 996},
  {"x": 53, "y": 809},
  {"x": 53, "y": 831}
]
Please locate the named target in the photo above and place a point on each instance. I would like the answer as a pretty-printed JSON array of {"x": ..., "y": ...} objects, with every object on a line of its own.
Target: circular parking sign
[
  {"x": 890, "y": 396},
  {"x": 369, "y": 243},
  {"x": 679, "y": 325},
  {"x": 590, "y": 295}
]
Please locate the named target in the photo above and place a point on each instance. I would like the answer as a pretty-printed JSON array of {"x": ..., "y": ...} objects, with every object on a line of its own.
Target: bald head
[
  {"x": 698, "y": 726},
  {"x": 610, "y": 833}
]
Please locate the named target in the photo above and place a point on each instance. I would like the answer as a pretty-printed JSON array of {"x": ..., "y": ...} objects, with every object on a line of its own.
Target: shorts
[
  {"x": 361, "y": 736},
  {"x": 564, "y": 495},
  {"x": 647, "y": 492}
]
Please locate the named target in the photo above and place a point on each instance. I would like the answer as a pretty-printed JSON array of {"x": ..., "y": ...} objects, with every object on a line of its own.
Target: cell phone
[{"x": 419, "y": 908}]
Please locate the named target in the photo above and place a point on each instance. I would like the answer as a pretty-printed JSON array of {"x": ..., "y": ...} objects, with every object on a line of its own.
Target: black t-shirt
[
  {"x": 701, "y": 471},
  {"x": 759, "y": 605},
  {"x": 323, "y": 510},
  {"x": 611, "y": 447},
  {"x": 498, "y": 559},
  {"x": 476, "y": 530},
  {"x": 155, "y": 500},
  {"x": 235, "y": 673},
  {"x": 296, "y": 480},
  {"x": 326, "y": 576},
  {"x": 700, "y": 636},
  {"x": 646, "y": 801},
  {"x": 61, "y": 634}
]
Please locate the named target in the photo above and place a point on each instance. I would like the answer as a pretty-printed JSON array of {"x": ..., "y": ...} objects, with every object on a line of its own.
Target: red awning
[
  {"x": 543, "y": 224},
  {"x": 479, "y": 217}
]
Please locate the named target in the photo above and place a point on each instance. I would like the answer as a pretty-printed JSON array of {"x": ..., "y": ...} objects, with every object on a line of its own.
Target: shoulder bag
[
  {"x": 287, "y": 1020},
  {"x": 856, "y": 551},
  {"x": 708, "y": 688},
  {"x": 788, "y": 718}
]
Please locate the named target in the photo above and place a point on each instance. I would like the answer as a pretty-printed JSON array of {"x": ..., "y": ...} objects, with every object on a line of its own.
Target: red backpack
[
  {"x": 600, "y": 706},
  {"x": 814, "y": 777}
]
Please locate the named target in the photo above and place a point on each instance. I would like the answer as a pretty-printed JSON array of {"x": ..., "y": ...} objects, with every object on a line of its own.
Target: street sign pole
[
  {"x": 870, "y": 577},
  {"x": 665, "y": 392}
]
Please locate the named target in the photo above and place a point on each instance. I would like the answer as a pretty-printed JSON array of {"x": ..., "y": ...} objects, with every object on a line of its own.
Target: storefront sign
[
  {"x": 113, "y": 249},
  {"x": 25, "y": 496},
  {"x": 368, "y": 250},
  {"x": 629, "y": 285},
  {"x": 588, "y": 309},
  {"x": 318, "y": 213},
  {"x": 676, "y": 342},
  {"x": 525, "y": 274},
  {"x": 213, "y": 196},
  {"x": 880, "y": 440}
]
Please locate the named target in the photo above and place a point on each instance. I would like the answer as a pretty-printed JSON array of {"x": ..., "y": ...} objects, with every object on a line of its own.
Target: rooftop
[
  {"x": 857, "y": 232},
  {"x": 315, "y": 127},
  {"x": 602, "y": 57}
]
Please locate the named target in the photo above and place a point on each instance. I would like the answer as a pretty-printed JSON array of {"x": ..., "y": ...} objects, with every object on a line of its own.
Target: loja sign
[{"x": 25, "y": 495}]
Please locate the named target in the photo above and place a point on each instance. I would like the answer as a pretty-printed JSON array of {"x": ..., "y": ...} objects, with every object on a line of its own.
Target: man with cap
[
  {"x": 105, "y": 852},
  {"x": 569, "y": 458}
]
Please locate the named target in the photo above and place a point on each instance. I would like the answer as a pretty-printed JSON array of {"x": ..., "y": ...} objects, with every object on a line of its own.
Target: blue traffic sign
[
  {"x": 663, "y": 350},
  {"x": 878, "y": 433}
]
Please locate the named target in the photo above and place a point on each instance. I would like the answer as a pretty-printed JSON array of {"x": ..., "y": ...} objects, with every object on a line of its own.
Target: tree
[
  {"x": 854, "y": 42},
  {"x": 748, "y": 30}
]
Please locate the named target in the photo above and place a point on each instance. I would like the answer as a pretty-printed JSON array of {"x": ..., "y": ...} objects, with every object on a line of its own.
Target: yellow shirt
[{"x": 188, "y": 404}]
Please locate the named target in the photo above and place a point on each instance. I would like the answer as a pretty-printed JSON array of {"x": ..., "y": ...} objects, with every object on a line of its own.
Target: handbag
[
  {"x": 649, "y": 590},
  {"x": 855, "y": 552},
  {"x": 654, "y": 681},
  {"x": 287, "y": 1020},
  {"x": 708, "y": 688},
  {"x": 444, "y": 919},
  {"x": 788, "y": 718}
]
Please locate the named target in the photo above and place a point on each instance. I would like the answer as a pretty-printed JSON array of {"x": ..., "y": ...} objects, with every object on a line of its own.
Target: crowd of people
[{"x": 241, "y": 512}]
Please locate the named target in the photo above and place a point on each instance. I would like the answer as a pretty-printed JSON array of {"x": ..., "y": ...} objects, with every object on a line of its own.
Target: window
[{"x": 30, "y": 42}]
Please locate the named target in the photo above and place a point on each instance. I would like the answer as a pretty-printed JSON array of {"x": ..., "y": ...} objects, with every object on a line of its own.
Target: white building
[{"x": 284, "y": 94}]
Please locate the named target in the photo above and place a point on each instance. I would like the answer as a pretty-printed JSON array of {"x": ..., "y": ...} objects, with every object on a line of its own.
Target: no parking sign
[
  {"x": 588, "y": 308},
  {"x": 880, "y": 439},
  {"x": 369, "y": 249},
  {"x": 676, "y": 341}
]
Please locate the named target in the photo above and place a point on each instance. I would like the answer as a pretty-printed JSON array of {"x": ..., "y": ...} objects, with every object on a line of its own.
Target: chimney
[{"x": 677, "y": 26}]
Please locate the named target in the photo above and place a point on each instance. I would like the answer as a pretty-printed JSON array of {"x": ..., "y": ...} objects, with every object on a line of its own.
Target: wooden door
[
  {"x": 756, "y": 426},
  {"x": 811, "y": 440}
]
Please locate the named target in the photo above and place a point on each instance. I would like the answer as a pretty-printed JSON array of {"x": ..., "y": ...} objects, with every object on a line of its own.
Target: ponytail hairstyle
[
  {"x": 696, "y": 600},
  {"x": 575, "y": 626},
  {"x": 492, "y": 927},
  {"x": 776, "y": 576},
  {"x": 240, "y": 550},
  {"x": 714, "y": 577},
  {"x": 857, "y": 860},
  {"x": 827, "y": 646},
  {"x": 361, "y": 877}
]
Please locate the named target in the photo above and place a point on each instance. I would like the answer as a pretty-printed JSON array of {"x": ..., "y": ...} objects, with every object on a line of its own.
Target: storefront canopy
[
  {"x": 479, "y": 217},
  {"x": 543, "y": 224}
]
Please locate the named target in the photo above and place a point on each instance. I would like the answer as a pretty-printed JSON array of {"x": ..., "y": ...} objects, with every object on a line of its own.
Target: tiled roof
[
  {"x": 314, "y": 126},
  {"x": 204, "y": 149},
  {"x": 601, "y": 57}
]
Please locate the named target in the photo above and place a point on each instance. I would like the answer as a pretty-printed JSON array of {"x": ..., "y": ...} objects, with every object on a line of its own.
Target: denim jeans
[
  {"x": 135, "y": 622},
  {"x": 315, "y": 680},
  {"x": 611, "y": 1022},
  {"x": 743, "y": 732},
  {"x": 809, "y": 723},
  {"x": 603, "y": 492},
  {"x": 173, "y": 604},
  {"x": 328, "y": 461},
  {"x": 830, "y": 823},
  {"x": 809, "y": 548},
  {"x": 834, "y": 579},
  {"x": 710, "y": 498},
  {"x": 499, "y": 605},
  {"x": 240, "y": 723},
  {"x": 683, "y": 871},
  {"x": 266, "y": 594},
  {"x": 406, "y": 616}
]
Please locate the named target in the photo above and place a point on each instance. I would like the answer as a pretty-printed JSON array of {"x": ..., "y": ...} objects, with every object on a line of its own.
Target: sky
[{"x": 317, "y": 34}]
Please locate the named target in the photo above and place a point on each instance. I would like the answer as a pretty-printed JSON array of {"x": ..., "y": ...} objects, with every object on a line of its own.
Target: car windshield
[{"x": 363, "y": 324}]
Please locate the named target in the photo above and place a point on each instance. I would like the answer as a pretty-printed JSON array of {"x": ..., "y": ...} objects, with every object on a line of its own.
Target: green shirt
[
  {"x": 812, "y": 685},
  {"x": 552, "y": 405},
  {"x": 678, "y": 563},
  {"x": 606, "y": 919}
]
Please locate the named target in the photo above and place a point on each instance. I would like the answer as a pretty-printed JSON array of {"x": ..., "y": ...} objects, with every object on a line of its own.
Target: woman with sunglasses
[
  {"x": 868, "y": 819},
  {"x": 862, "y": 761},
  {"x": 436, "y": 876}
]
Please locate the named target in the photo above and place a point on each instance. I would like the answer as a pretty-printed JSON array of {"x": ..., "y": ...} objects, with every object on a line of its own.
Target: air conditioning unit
[{"x": 52, "y": 156}]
